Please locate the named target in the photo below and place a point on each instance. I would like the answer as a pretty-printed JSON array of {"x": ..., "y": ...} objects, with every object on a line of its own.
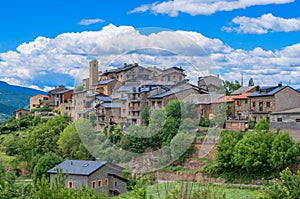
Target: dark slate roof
[
  {"x": 87, "y": 110},
  {"x": 61, "y": 92},
  {"x": 127, "y": 88},
  {"x": 78, "y": 167},
  {"x": 174, "y": 67},
  {"x": 103, "y": 82},
  {"x": 112, "y": 105},
  {"x": 267, "y": 91},
  {"x": 104, "y": 98},
  {"x": 242, "y": 90},
  {"x": 167, "y": 93},
  {"x": 81, "y": 91},
  {"x": 289, "y": 111},
  {"x": 211, "y": 80}
]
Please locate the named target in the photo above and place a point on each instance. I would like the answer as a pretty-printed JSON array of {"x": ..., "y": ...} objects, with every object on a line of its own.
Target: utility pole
[{"x": 242, "y": 79}]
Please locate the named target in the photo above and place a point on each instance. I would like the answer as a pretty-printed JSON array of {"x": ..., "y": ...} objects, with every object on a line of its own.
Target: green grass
[{"x": 162, "y": 190}]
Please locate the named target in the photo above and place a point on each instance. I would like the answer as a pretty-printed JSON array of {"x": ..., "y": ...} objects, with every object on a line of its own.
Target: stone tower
[{"x": 93, "y": 78}]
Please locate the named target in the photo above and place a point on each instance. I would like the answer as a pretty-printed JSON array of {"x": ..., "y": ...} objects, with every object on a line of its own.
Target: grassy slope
[{"x": 161, "y": 190}]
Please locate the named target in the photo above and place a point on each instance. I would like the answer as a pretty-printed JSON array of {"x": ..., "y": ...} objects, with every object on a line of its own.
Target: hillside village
[
  {"x": 118, "y": 96},
  {"x": 214, "y": 139}
]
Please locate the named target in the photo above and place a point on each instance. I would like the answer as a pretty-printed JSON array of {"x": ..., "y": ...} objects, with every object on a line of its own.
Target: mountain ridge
[{"x": 14, "y": 97}]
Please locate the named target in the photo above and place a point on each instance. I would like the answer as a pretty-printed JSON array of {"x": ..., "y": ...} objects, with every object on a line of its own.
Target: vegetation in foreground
[
  {"x": 35, "y": 145},
  {"x": 254, "y": 155}
]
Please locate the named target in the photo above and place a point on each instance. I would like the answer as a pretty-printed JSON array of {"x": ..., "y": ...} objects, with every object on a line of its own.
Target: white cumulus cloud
[
  {"x": 201, "y": 7},
  {"x": 87, "y": 22},
  {"x": 48, "y": 62},
  {"x": 263, "y": 24}
]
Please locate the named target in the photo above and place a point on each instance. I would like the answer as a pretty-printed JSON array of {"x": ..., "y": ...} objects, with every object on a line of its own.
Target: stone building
[
  {"x": 210, "y": 83},
  {"x": 96, "y": 175},
  {"x": 272, "y": 99},
  {"x": 20, "y": 113},
  {"x": 173, "y": 74},
  {"x": 38, "y": 101},
  {"x": 287, "y": 120}
]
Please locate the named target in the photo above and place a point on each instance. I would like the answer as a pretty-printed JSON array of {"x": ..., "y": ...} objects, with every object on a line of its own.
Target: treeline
[
  {"x": 171, "y": 129},
  {"x": 40, "y": 143},
  {"x": 257, "y": 154}
]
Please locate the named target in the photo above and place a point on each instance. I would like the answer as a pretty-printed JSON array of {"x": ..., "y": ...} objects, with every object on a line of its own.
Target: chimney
[
  {"x": 280, "y": 84},
  {"x": 158, "y": 89}
]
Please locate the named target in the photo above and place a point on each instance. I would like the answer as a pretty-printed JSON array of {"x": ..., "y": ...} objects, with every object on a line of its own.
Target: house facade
[
  {"x": 210, "y": 83},
  {"x": 272, "y": 99},
  {"x": 38, "y": 101},
  {"x": 97, "y": 175},
  {"x": 20, "y": 113},
  {"x": 287, "y": 120},
  {"x": 241, "y": 102}
]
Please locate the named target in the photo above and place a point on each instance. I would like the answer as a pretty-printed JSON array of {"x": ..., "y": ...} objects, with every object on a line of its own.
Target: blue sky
[{"x": 259, "y": 38}]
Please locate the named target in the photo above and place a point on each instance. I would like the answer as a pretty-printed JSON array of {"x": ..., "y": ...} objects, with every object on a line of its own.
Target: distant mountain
[
  {"x": 13, "y": 98},
  {"x": 20, "y": 89},
  {"x": 298, "y": 89}
]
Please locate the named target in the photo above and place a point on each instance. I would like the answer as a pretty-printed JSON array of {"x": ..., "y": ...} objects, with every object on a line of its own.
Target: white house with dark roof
[{"x": 97, "y": 175}]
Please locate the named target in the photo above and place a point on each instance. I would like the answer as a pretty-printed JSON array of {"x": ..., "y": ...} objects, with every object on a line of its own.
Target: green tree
[
  {"x": 43, "y": 138},
  {"x": 285, "y": 188},
  {"x": 181, "y": 146},
  {"x": 231, "y": 86},
  {"x": 169, "y": 130},
  {"x": 188, "y": 110},
  {"x": 70, "y": 144},
  {"x": 146, "y": 115},
  {"x": 46, "y": 162},
  {"x": 225, "y": 148},
  {"x": 93, "y": 118},
  {"x": 262, "y": 125},
  {"x": 79, "y": 88},
  {"x": 284, "y": 151},
  {"x": 252, "y": 152},
  {"x": 173, "y": 109},
  {"x": 251, "y": 82}
]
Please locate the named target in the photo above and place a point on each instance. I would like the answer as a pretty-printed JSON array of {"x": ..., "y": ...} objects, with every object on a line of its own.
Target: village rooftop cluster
[{"x": 120, "y": 95}]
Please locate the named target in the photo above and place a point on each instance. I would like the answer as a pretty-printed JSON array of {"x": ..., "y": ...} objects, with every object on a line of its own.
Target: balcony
[
  {"x": 134, "y": 109},
  {"x": 135, "y": 99}
]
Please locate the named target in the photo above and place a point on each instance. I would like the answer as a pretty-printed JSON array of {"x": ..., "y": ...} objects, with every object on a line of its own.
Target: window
[
  {"x": 238, "y": 103},
  {"x": 94, "y": 184},
  {"x": 70, "y": 184},
  {"x": 116, "y": 184},
  {"x": 268, "y": 104},
  {"x": 253, "y": 104},
  {"x": 169, "y": 78},
  {"x": 297, "y": 120},
  {"x": 261, "y": 108},
  {"x": 99, "y": 183},
  {"x": 246, "y": 101},
  {"x": 106, "y": 182},
  {"x": 279, "y": 119}
]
